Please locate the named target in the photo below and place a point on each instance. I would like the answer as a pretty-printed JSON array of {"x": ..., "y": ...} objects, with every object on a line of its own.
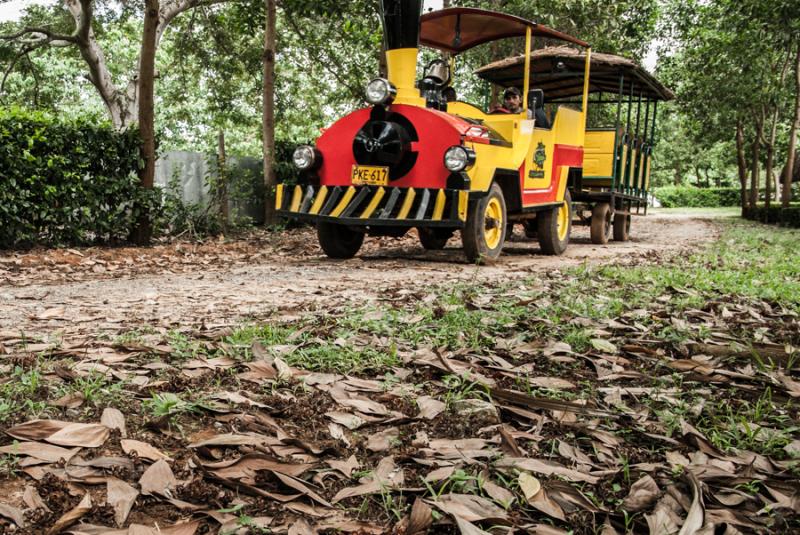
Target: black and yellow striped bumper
[{"x": 374, "y": 205}]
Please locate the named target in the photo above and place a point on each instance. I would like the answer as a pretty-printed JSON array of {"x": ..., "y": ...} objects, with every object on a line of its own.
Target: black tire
[
  {"x": 434, "y": 239},
  {"x": 553, "y": 239},
  {"x": 622, "y": 227},
  {"x": 338, "y": 241},
  {"x": 601, "y": 223},
  {"x": 485, "y": 230}
]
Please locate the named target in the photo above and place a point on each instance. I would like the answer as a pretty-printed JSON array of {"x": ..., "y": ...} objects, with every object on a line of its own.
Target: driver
[{"x": 512, "y": 100}]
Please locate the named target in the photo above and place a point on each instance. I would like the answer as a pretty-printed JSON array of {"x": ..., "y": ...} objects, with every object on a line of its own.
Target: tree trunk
[
  {"x": 755, "y": 171},
  {"x": 147, "y": 69},
  {"x": 770, "y": 145},
  {"x": 741, "y": 164},
  {"x": 268, "y": 122},
  {"x": 222, "y": 172},
  {"x": 769, "y": 176},
  {"x": 790, "y": 161}
]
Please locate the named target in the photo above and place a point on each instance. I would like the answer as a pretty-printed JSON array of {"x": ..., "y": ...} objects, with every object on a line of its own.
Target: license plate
[{"x": 367, "y": 175}]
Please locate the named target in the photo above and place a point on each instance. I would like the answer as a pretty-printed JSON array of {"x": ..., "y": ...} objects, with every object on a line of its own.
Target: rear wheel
[
  {"x": 554, "y": 227},
  {"x": 434, "y": 239},
  {"x": 338, "y": 241},
  {"x": 485, "y": 230},
  {"x": 601, "y": 223},
  {"x": 622, "y": 227}
]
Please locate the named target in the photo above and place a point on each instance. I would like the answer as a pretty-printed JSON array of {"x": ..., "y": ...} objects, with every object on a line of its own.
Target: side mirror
[{"x": 535, "y": 99}]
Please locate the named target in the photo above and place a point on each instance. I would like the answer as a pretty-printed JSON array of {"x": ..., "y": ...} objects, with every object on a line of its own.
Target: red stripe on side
[{"x": 563, "y": 156}]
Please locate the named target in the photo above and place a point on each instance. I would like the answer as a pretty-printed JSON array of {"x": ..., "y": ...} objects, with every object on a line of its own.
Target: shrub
[
  {"x": 785, "y": 217},
  {"x": 692, "y": 197},
  {"x": 66, "y": 181}
]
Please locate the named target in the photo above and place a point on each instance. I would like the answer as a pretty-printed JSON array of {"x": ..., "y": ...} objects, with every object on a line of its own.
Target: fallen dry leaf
[
  {"x": 419, "y": 519},
  {"x": 232, "y": 439},
  {"x": 544, "y": 503},
  {"x": 13, "y": 514},
  {"x": 158, "y": 479},
  {"x": 36, "y": 429},
  {"x": 83, "y": 435},
  {"x": 41, "y": 451},
  {"x": 382, "y": 440},
  {"x": 546, "y": 468},
  {"x": 643, "y": 494},
  {"x": 429, "y": 408},
  {"x": 114, "y": 419},
  {"x": 142, "y": 450},
  {"x": 70, "y": 401},
  {"x": 345, "y": 467},
  {"x": 121, "y": 497},
  {"x": 246, "y": 465},
  {"x": 695, "y": 518},
  {"x": 470, "y": 507},
  {"x": 529, "y": 485}
]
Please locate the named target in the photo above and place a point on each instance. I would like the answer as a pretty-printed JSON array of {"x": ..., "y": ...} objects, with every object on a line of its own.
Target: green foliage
[
  {"x": 169, "y": 405},
  {"x": 726, "y": 60},
  {"x": 691, "y": 197},
  {"x": 66, "y": 181},
  {"x": 762, "y": 426},
  {"x": 785, "y": 217},
  {"x": 23, "y": 394}
]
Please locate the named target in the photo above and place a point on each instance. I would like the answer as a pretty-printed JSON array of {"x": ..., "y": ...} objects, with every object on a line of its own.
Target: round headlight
[
  {"x": 380, "y": 91},
  {"x": 303, "y": 157},
  {"x": 458, "y": 158}
]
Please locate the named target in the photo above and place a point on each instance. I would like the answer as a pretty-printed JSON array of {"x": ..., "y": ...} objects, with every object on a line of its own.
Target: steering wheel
[{"x": 438, "y": 70}]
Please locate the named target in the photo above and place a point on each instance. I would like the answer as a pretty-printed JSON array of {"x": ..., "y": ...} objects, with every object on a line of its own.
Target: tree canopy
[{"x": 733, "y": 65}]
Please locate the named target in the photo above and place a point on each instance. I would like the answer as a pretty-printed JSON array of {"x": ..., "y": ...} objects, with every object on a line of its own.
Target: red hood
[{"x": 436, "y": 132}]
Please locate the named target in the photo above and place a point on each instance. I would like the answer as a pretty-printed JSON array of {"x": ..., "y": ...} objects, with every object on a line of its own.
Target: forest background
[{"x": 262, "y": 69}]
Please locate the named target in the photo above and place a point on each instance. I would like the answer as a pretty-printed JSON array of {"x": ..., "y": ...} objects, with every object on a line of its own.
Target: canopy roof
[
  {"x": 559, "y": 71},
  {"x": 457, "y": 29}
]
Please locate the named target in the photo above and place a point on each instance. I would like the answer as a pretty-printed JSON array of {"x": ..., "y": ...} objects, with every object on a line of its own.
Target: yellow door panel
[
  {"x": 598, "y": 153},
  {"x": 538, "y": 164}
]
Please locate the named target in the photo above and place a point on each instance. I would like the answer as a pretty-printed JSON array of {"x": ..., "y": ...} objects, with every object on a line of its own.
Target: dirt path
[{"x": 54, "y": 294}]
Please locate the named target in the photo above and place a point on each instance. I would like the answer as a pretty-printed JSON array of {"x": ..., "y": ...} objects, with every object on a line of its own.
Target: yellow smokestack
[{"x": 401, "y": 37}]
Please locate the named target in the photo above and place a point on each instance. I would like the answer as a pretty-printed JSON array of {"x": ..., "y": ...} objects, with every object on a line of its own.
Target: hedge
[
  {"x": 785, "y": 217},
  {"x": 65, "y": 181},
  {"x": 692, "y": 197}
]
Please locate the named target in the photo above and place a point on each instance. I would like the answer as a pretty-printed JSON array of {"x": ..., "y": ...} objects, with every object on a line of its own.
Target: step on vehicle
[{"x": 418, "y": 158}]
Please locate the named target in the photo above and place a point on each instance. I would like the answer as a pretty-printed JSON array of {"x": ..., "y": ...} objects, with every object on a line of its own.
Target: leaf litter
[{"x": 646, "y": 422}]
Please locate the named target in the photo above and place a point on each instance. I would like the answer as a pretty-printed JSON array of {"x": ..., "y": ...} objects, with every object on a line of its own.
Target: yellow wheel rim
[
  {"x": 493, "y": 223},
  {"x": 563, "y": 220}
]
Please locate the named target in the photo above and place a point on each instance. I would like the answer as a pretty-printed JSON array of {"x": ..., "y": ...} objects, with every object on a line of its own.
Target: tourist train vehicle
[{"x": 418, "y": 158}]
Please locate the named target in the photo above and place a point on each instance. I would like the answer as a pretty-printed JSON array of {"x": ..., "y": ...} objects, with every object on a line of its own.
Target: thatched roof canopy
[
  {"x": 559, "y": 71},
  {"x": 457, "y": 29}
]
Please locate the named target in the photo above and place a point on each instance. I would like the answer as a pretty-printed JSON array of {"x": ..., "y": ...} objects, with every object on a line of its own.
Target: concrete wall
[{"x": 191, "y": 169}]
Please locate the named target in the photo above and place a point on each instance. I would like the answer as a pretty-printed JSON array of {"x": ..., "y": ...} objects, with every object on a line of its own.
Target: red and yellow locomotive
[{"x": 417, "y": 159}]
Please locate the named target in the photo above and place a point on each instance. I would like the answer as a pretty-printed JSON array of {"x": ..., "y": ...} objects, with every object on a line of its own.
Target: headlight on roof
[
  {"x": 305, "y": 157},
  {"x": 380, "y": 91},
  {"x": 458, "y": 158}
]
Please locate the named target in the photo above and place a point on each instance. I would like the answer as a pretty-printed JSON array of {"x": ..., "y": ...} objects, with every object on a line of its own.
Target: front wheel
[
  {"x": 554, "y": 227},
  {"x": 338, "y": 241},
  {"x": 485, "y": 229},
  {"x": 434, "y": 239}
]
